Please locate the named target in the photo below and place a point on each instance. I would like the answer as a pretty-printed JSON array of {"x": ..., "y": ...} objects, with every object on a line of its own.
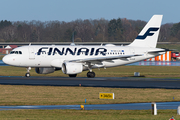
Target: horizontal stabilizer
[{"x": 157, "y": 51}]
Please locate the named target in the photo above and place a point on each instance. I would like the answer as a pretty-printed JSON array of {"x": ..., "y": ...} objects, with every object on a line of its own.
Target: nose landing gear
[
  {"x": 27, "y": 75},
  {"x": 28, "y": 72}
]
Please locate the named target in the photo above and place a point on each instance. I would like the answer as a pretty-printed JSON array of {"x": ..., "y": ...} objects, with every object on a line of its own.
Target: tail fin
[{"x": 149, "y": 35}]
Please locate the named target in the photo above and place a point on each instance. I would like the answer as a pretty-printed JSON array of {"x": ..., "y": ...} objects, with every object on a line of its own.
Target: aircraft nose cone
[{"x": 6, "y": 59}]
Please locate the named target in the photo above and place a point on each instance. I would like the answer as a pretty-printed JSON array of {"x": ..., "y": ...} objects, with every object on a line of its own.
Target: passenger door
[{"x": 31, "y": 53}]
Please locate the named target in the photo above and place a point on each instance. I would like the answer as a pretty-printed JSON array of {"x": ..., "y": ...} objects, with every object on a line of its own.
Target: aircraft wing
[{"x": 106, "y": 58}]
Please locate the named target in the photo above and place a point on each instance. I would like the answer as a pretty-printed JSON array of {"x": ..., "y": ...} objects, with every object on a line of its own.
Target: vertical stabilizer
[{"x": 149, "y": 35}]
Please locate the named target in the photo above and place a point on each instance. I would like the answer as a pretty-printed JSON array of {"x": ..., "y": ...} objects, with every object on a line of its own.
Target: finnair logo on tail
[{"x": 147, "y": 33}]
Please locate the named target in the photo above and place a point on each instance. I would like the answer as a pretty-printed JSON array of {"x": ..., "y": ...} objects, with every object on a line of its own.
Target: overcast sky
[{"x": 70, "y": 10}]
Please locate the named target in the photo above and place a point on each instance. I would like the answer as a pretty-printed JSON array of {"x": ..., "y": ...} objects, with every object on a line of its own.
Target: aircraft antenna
[{"x": 72, "y": 39}]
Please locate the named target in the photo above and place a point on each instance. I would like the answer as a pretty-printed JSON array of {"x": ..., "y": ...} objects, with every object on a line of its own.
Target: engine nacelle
[
  {"x": 72, "y": 68},
  {"x": 44, "y": 70}
]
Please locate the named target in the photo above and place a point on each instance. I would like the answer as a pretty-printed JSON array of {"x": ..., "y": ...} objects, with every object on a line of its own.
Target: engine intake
[{"x": 72, "y": 68}]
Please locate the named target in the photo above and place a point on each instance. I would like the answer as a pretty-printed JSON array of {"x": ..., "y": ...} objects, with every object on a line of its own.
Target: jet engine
[
  {"x": 44, "y": 70},
  {"x": 72, "y": 68}
]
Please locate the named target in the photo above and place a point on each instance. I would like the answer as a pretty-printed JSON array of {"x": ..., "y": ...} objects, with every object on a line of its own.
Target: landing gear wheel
[
  {"x": 27, "y": 75},
  {"x": 73, "y": 75},
  {"x": 28, "y": 70},
  {"x": 90, "y": 74}
]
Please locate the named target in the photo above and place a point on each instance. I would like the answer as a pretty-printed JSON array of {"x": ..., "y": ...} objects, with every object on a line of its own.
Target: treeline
[{"x": 115, "y": 30}]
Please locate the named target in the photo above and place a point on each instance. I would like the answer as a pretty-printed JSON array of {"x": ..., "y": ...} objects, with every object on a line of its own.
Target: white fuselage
[{"x": 54, "y": 56}]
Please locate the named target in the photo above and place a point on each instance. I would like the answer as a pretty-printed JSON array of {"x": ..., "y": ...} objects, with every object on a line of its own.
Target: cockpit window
[
  {"x": 12, "y": 52},
  {"x": 15, "y": 52},
  {"x": 20, "y": 52}
]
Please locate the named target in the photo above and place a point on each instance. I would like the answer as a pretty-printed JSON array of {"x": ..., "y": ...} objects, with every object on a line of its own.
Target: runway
[{"x": 113, "y": 82}]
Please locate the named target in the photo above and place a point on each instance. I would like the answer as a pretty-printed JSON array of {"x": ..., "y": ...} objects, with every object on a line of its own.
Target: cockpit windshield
[{"x": 15, "y": 52}]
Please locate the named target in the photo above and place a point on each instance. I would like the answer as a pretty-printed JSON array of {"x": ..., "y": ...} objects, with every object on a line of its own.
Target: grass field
[
  {"x": 87, "y": 115},
  {"x": 50, "y": 95}
]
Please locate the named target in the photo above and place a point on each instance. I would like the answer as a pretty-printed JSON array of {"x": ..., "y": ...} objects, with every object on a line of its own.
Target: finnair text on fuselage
[{"x": 74, "y": 51}]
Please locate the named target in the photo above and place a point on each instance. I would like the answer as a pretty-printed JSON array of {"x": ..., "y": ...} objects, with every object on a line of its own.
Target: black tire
[
  {"x": 73, "y": 75},
  {"x": 27, "y": 75},
  {"x": 90, "y": 74}
]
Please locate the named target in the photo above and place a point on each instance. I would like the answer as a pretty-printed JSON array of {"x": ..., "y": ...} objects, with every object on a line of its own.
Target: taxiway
[{"x": 116, "y": 82}]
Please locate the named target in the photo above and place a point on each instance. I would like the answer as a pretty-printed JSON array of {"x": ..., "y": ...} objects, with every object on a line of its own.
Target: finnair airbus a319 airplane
[{"x": 75, "y": 59}]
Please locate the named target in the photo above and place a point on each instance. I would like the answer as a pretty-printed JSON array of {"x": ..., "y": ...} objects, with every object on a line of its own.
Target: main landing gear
[
  {"x": 90, "y": 74},
  {"x": 28, "y": 72}
]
